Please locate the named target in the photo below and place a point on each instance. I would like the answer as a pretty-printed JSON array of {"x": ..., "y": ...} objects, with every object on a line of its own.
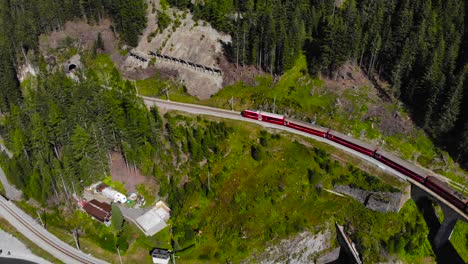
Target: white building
[
  {"x": 161, "y": 256},
  {"x": 154, "y": 220},
  {"x": 162, "y": 210}
]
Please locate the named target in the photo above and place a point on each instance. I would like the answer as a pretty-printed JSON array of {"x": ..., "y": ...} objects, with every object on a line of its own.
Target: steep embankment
[{"x": 181, "y": 37}]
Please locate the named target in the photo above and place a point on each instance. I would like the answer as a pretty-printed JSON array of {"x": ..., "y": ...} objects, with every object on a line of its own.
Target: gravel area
[
  {"x": 17, "y": 250},
  {"x": 192, "y": 41}
]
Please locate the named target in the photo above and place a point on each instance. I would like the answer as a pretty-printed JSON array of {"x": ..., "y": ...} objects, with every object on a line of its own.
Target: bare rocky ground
[
  {"x": 305, "y": 247},
  {"x": 130, "y": 176},
  {"x": 79, "y": 32},
  {"x": 192, "y": 41},
  {"x": 376, "y": 201}
]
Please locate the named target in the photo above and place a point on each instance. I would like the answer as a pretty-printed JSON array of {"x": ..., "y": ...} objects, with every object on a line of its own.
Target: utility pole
[
  {"x": 40, "y": 219},
  {"x": 166, "y": 91},
  {"x": 75, "y": 237},
  {"x": 120, "y": 257},
  {"x": 464, "y": 187},
  {"x": 274, "y": 105},
  {"x": 231, "y": 101},
  {"x": 136, "y": 87},
  {"x": 209, "y": 189}
]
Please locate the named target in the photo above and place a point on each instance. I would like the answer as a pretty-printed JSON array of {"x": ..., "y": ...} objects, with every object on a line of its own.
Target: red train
[{"x": 431, "y": 182}]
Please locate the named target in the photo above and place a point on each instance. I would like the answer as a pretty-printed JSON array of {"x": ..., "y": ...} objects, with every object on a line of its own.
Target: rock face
[
  {"x": 190, "y": 40},
  {"x": 303, "y": 248},
  {"x": 376, "y": 201}
]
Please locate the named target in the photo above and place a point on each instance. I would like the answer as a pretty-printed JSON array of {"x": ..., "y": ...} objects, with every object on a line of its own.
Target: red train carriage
[
  {"x": 351, "y": 143},
  {"x": 250, "y": 114},
  {"x": 397, "y": 164},
  {"x": 401, "y": 166},
  {"x": 445, "y": 191},
  {"x": 271, "y": 118},
  {"x": 306, "y": 127},
  {"x": 264, "y": 116}
]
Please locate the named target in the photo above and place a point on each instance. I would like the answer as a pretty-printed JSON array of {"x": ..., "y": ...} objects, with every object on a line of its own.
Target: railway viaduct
[
  {"x": 141, "y": 57},
  {"x": 186, "y": 63},
  {"x": 440, "y": 232}
]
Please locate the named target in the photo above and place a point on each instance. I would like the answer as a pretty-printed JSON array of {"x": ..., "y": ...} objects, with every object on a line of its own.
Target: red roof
[
  {"x": 101, "y": 187},
  {"x": 100, "y": 211}
]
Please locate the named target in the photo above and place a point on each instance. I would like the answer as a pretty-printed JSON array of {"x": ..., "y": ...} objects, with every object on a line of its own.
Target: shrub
[
  {"x": 163, "y": 21},
  {"x": 257, "y": 152}
]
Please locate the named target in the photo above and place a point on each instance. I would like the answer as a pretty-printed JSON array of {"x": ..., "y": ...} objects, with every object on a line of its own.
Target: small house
[
  {"x": 100, "y": 211},
  {"x": 161, "y": 256}
]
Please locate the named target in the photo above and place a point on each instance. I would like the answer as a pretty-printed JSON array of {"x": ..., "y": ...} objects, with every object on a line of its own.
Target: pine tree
[{"x": 117, "y": 218}]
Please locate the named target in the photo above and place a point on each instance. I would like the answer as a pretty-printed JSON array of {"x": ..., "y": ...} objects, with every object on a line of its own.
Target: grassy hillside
[
  {"x": 262, "y": 187},
  {"x": 357, "y": 111},
  {"x": 234, "y": 188}
]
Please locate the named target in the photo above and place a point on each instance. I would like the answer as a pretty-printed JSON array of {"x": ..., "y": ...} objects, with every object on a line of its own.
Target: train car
[
  {"x": 271, "y": 118},
  {"x": 306, "y": 127},
  {"x": 401, "y": 166},
  {"x": 250, "y": 114},
  {"x": 264, "y": 116},
  {"x": 445, "y": 191},
  {"x": 351, "y": 143}
]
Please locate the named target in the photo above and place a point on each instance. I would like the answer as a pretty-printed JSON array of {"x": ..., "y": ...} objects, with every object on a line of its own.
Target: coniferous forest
[
  {"x": 22, "y": 21},
  {"x": 418, "y": 46}
]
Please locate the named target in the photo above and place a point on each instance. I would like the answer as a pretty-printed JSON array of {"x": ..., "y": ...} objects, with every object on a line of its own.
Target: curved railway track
[
  {"x": 60, "y": 250},
  {"x": 222, "y": 113}
]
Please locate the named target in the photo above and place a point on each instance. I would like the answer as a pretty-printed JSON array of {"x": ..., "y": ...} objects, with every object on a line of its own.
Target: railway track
[
  {"x": 44, "y": 239},
  {"x": 222, "y": 113}
]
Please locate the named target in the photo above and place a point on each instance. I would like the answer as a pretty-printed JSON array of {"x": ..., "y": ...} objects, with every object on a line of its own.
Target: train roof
[
  {"x": 271, "y": 115},
  {"x": 404, "y": 163},
  {"x": 306, "y": 124},
  {"x": 446, "y": 187},
  {"x": 353, "y": 140}
]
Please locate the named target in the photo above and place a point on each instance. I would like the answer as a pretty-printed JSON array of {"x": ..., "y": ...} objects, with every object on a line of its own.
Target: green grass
[
  {"x": 2, "y": 189},
  {"x": 155, "y": 86},
  {"x": 102, "y": 67},
  {"x": 116, "y": 185},
  {"x": 459, "y": 239},
  {"x": 306, "y": 98},
  {"x": 253, "y": 202}
]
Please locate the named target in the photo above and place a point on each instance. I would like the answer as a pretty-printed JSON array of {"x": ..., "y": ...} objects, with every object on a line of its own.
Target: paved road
[
  {"x": 211, "y": 111},
  {"x": 10, "y": 191},
  {"x": 26, "y": 225},
  {"x": 13, "y": 251}
]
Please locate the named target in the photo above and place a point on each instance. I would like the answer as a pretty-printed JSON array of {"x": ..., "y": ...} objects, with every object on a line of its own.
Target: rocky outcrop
[
  {"x": 303, "y": 248},
  {"x": 376, "y": 201}
]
